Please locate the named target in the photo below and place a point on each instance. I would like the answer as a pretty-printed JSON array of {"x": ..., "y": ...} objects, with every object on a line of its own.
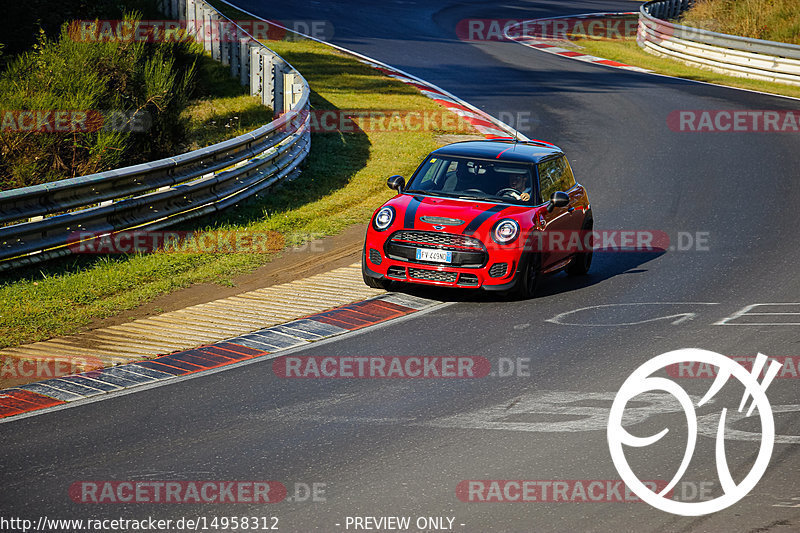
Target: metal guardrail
[
  {"x": 43, "y": 221},
  {"x": 727, "y": 54}
]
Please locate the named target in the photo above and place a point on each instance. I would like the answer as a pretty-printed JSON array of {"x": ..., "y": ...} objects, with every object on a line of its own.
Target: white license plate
[{"x": 439, "y": 256}]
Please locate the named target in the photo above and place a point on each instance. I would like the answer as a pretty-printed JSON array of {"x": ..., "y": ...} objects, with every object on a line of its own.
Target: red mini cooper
[{"x": 478, "y": 214}]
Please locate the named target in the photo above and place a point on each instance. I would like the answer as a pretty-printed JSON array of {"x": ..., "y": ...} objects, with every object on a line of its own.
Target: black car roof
[{"x": 503, "y": 150}]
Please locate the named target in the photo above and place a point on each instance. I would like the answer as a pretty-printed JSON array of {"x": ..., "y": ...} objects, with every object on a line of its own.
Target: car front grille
[
  {"x": 467, "y": 252},
  {"x": 432, "y": 275},
  {"x": 445, "y": 241}
]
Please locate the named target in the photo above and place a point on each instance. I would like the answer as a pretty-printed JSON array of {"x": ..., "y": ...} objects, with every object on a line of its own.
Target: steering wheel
[{"x": 510, "y": 191}]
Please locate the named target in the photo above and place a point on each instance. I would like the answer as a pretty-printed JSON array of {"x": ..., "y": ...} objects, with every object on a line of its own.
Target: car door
[{"x": 562, "y": 223}]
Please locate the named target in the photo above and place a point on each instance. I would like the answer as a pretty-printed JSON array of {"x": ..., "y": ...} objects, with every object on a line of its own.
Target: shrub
[{"x": 152, "y": 79}]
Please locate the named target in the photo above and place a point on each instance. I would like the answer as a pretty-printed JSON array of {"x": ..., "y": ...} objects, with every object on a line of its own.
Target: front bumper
[{"x": 498, "y": 274}]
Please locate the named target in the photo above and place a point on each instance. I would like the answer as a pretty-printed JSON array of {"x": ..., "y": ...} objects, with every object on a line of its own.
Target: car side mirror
[
  {"x": 557, "y": 199},
  {"x": 397, "y": 183}
]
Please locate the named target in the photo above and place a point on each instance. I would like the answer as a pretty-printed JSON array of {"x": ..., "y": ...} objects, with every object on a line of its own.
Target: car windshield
[{"x": 473, "y": 178}]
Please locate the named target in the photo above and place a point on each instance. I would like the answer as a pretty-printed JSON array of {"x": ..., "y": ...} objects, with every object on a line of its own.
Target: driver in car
[{"x": 521, "y": 187}]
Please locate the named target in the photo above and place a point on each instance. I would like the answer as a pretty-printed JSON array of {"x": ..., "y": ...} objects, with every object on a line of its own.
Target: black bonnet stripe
[
  {"x": 476, "y": 223},
  {"x": 411, "y": 212}
]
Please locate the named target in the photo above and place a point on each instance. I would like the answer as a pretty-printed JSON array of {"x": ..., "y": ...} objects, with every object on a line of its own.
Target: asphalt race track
[{"x": 401, "y": 447}]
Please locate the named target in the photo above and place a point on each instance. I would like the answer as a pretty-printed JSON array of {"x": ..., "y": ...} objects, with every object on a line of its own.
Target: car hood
[{"x": 433, "y": 213}]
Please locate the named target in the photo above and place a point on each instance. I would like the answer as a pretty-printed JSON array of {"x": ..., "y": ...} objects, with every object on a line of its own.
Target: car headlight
[
  {"x": 505, "y": 231},
  {"x": 384, "y": 218}
]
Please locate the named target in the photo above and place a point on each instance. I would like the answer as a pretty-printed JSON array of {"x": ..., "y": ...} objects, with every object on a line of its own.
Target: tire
[
  {"x": 582, "y": 261},
  {"x": 529, "y": 279},
  {"x": 371, "y": 282},
  {"x": 376, "y": 283}
]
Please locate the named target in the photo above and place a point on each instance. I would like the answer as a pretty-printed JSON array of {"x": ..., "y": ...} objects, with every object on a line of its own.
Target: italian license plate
[{"x": 439, "y": 256}]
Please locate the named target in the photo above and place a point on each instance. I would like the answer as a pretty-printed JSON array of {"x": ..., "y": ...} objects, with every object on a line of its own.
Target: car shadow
[{"x": 605, "y": 265}]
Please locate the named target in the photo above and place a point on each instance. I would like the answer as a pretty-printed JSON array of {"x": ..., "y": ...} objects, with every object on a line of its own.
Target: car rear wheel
[{"x": 581, "y": 261}]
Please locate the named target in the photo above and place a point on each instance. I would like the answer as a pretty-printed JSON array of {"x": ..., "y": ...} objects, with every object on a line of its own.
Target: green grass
[
  {"x": 224, "y": 108},
  {"x": 342, "y": 183},
  {"x": 627, "y": 51},
  {"x": 773, "y": 20}
]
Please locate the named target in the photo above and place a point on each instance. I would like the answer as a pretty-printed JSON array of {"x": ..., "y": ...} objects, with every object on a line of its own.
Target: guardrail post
[
  {"x": 267, "y": 78},
  {"x": 292, "y": 90},
  {"x": 277, "y": 71},
  {"x": 206, "y": 27},
  {"x": 288, "y": 90},
  {"x": 216, "y": 41},
  {"x": 225, "y": 38},
  {"x": 256, "y": 68},
  {"x": 235, "y": 53},
  {"x": 244, "y": 60},
  {"x": 191, "y": 25}
]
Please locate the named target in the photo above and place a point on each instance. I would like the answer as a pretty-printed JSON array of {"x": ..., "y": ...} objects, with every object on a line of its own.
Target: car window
[
  {"x": 474, "y": 178},
  {"x": 555, "y": 175},
  {"x": 429, "y": 173}
]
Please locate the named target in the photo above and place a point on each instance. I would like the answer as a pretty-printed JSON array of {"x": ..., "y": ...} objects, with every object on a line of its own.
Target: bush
[
  {"x": 773, "y": 20},
  {"x": 22, "y": 21},
  {"x": 152, "y": 80}
]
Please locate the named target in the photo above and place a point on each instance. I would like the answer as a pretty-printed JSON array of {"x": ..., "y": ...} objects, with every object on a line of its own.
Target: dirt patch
[{"x": 315, "y": 257}]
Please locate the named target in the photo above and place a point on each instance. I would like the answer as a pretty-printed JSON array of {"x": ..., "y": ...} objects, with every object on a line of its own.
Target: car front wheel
[{"x": 528, "y": 279}]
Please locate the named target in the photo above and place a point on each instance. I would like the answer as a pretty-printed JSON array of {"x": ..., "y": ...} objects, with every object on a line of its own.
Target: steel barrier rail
[
  {"x": 727, "y": 54},
  {"x": 48, "y": 220}
]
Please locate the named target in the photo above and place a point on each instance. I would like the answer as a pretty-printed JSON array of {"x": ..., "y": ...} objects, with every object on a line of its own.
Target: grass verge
[
  {"x": 773, "y": 20},
  {"x": 627, "y": 51},
  {"x": 342, "y": 183},
  {"x": 222, "y": 109}
]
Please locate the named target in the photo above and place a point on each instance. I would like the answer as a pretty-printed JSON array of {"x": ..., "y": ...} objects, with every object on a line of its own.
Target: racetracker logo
[
  {"x": 15, "y": 368},
  {"x": 381, "y": 367},
  {"x": 354, "y": 121},
  {"x": 789, "y": 368},
  {"x": 72, "y": 121},
  {"x": 203, "y": 31},
  {"x": 611, "y": 241},
  {"x": 549, "y": 491},
  {"x": 566, "y": 28},
  {"x": 177, "y": 492},
  {"x": 642, "y": 381},
  {"x": 734, "y": 120},
  {"x": 213, "y": 242}
]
